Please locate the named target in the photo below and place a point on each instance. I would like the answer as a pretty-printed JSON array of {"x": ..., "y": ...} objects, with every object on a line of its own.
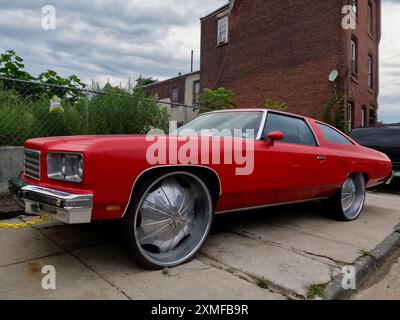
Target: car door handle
[{"x": 321, "y": 158}]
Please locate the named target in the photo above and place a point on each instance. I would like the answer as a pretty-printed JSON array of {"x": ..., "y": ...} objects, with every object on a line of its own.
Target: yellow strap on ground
[{"x": 24, "y": 224}]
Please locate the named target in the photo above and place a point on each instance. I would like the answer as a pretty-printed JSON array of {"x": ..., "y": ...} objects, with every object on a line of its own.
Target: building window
[
  {"x": 174, "y": 95},
  {"x": 370, "y": 19},
  {"x": 370, "y": 71},
  {"x": 350, "y": 115},
  {"x": 196, "y": 92},
  {"x": 354, "y": 56},
  {"x": 354, "y": 7},
  {"x": 222, "y": 30},
  {"x": 372, "y": 117},
  {"x": 363, "y": 117}
]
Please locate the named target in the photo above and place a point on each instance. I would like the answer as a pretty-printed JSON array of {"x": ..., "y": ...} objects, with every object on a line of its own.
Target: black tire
[
  {"x": 347, "y": 205},
  {"x": 169, "y": 220}
]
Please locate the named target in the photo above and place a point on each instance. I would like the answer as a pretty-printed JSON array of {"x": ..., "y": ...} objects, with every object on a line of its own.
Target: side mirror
[{"x": 275, "y": 136}]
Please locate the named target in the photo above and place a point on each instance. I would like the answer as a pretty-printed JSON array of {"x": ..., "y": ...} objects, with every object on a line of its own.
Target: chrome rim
[
  {"x": 353, "y": 196},
  {"x": 173, "y": 219}
]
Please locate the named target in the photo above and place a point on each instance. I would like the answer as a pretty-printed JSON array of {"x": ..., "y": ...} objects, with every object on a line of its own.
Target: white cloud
[
  {"x": 100, "y": 40},
  {"x": 121, "y": 39},
  {"x": 389, "y": 100}
]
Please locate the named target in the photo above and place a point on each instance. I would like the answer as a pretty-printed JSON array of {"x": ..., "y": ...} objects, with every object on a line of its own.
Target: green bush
[
  {"x": 218, "y": 99},
  {"x": 15, "y": 121},
  {"x": 274, "y": 105},
  {"x": 334, "y": 113},
  {"x": 112, "y": 111}
]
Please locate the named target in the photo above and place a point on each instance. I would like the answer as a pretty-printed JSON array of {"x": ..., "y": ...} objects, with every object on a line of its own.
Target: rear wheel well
[
  {"x": 365, "y": 175},
  {"x": 207, "y": 175}
]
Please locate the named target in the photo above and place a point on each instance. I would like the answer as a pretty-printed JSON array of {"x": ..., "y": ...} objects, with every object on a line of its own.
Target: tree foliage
[
  {"x": 218, "y": 99},
  {"x": 142, "y": 82},
  {"x": 334, "y": 113},
  {"x": 12, "y": 66},
  {"x": 274, "y": 105},
  {"x": 25, "y": 102}
]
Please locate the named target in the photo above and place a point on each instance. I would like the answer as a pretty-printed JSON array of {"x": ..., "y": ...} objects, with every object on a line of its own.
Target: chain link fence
[{"x": 25, "y": 111}]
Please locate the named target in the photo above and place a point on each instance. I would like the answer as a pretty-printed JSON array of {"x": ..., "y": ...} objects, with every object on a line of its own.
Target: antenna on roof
[{"x": 191, "y": 62}]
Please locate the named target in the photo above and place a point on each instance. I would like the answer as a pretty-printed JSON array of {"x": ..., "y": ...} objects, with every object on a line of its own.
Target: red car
[{"x": 167, "y": 207}]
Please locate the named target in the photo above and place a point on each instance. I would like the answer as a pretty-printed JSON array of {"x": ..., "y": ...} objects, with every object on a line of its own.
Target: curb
[{"x": 364, "y": 267}]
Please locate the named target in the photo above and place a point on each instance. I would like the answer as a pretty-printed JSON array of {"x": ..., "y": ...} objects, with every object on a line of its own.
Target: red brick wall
[
  {"x": 281, "y": 50},
  {"x": 164, "y": 89},
  {"x": 358, "y": 89}
]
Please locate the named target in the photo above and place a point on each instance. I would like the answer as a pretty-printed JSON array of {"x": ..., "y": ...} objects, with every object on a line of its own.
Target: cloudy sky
[{"x": 121, "y": 39}]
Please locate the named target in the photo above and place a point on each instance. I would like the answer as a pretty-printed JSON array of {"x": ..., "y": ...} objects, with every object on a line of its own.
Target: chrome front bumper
[
  {"x": 395, "y": 175},
  {"x": 65, "y": 207}
]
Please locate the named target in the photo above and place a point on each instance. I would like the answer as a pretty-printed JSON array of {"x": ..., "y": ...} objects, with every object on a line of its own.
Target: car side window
[
  {"x": 332, "y": 135},
  {"x": 295, "y": 130}
]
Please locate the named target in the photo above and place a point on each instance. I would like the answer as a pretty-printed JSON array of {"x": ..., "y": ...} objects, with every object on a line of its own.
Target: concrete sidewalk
[{"x": 279, "y": 253}]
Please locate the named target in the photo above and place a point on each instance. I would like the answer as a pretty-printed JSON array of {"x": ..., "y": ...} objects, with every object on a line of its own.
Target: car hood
[
  {"x": 110, "y": 143},
  {"x": 78, "y": 143}
]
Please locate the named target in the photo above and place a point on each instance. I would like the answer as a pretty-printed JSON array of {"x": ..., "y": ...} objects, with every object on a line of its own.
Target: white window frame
[
  {"x": 223, "y": 22},
  {"x": 370, "y": 18},
  {"x": 370, "y": 71},
  {"x": 354, "y": 7},
  {"x": 350, "y": 110},
  {"x": 354, "y": 56},
  {"x": 195, "y": 93},
  {"x": 363, "y": 117},
  {"x": 172, "y": 96}
]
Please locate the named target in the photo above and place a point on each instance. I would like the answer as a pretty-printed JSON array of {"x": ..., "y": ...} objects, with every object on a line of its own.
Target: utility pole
[{"x": 191, "y": 62}]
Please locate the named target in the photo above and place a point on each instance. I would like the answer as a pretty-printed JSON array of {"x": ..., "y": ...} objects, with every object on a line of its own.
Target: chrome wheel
[
  {"x": 173, "y": 219},
  {"x": 353, "y": 196}
]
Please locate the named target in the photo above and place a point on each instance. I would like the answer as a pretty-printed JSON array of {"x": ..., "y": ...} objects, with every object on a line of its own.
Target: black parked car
[{"x": 383, "y": 138}]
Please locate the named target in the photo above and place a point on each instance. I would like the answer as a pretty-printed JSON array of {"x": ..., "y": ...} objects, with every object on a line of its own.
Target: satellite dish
[{"x": 333, "y": 76}]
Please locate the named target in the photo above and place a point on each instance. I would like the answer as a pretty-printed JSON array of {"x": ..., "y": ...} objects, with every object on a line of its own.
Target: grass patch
[
  {"x": 366, "y": 253},
  {"x": 111, "y": 111},
  {"x": 5, "y": 196},
  {"x": 315, "y": 292},
  {"x": 262, "y": 283}
]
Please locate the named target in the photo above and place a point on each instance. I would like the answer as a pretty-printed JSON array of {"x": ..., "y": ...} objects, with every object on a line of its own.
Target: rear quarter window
[{"x": 333, "y": 136}]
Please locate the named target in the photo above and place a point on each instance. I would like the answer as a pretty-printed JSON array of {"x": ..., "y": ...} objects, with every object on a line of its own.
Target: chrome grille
[{"x": 32, "y": 164}]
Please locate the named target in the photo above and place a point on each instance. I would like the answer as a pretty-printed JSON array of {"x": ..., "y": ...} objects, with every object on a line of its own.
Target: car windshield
[
  {"x": 225, "y": 124},
  {"x": 377, "y": 137}
]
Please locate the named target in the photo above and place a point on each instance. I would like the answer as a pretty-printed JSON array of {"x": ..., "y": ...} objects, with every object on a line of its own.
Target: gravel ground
[
  {"x": 7, "y": 205},
  {"x": 384, "y": 284}
]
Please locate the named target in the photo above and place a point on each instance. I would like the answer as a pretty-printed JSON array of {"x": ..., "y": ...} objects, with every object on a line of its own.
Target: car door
[{"x": 292, "y": 169}]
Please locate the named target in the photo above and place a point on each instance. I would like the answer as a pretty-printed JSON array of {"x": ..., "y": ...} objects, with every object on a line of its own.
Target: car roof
[{"x": 259, "y": 110}]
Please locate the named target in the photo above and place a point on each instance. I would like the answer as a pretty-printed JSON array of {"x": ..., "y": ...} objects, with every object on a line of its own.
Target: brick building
[
  {"x": 284, "y": 50},
  {"x": 181, "y": 90}
]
